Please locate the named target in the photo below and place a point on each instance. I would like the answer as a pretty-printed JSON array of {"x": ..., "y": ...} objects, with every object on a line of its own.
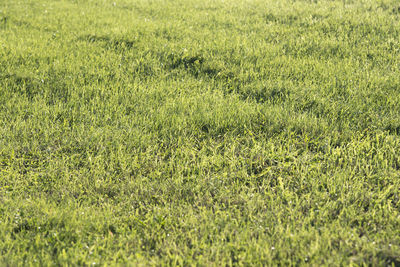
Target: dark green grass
[{"x": 199, "y": 132}]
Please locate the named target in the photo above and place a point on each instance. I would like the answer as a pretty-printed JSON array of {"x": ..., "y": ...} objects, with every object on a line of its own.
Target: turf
[{"x": 186, "y": 132}]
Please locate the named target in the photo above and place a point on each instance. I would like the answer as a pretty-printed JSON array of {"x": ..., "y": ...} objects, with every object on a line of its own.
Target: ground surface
[{"x": 199, "y": 132}]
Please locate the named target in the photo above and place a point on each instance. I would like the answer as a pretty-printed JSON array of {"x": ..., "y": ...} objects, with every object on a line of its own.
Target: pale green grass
[{"x": 199, "y": 132}]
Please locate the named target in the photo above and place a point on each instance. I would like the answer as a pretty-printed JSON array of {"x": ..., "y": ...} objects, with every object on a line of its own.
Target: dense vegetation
[{"x": 210, "y": 132}]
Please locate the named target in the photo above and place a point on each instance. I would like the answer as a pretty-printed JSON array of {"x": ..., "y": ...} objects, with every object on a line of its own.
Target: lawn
[{"x": 204, "y": 133}]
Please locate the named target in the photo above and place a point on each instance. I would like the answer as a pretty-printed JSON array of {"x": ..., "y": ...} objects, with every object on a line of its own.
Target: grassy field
[{"x": 187, "y": 132}]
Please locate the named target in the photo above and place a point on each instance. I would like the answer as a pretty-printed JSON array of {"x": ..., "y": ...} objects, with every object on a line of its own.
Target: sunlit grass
[{"x": 199, "y": 132}]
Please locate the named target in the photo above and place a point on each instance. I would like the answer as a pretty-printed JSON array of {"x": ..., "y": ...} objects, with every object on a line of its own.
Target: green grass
[{"x": 186, "y": 132}]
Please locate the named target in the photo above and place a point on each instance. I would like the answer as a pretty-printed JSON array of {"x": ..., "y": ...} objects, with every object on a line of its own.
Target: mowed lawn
[{"x": 199, "y": 132}]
